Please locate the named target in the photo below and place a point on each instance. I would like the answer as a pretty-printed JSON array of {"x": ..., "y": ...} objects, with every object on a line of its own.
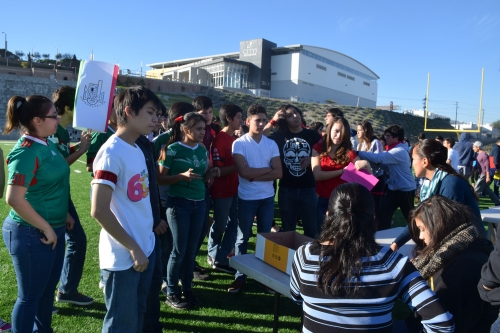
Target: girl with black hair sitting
[{"x": 346, "y": 282}]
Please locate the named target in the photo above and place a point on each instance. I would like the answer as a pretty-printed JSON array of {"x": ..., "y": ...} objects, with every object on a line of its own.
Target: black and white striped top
[{"x": 385, "y": 277}]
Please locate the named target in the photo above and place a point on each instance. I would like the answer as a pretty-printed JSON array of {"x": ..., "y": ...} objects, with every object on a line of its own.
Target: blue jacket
[
  {"x": 464, "y": 150},
  {"x": 458, "y": 189},
  {"x": 495, "y": 152}
]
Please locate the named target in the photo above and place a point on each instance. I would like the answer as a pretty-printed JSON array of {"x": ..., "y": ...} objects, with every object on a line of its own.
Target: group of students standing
[{"x": 152, "y": 200}]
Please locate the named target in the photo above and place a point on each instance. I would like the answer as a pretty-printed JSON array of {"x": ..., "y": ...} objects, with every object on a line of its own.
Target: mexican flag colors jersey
[{"x": 36, "y": 164}]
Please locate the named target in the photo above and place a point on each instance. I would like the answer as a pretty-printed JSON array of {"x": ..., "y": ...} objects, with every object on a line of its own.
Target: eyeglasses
[
  {"x": 53, "y": 117},
  {"x": 387, "y": 136}
]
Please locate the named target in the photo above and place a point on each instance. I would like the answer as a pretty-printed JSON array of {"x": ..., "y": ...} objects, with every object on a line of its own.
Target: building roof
[
  {"x": 297, "y": 47},
  {"x": 180, "y": 62},
  {"x": 235, "y": 55}
]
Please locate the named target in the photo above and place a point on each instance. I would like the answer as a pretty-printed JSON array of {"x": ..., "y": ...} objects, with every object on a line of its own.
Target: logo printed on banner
[{"x": 93, "y": 95}]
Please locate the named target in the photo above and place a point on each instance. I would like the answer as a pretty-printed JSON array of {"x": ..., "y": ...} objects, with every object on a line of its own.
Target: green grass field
[{"x": 251, "y": 310}]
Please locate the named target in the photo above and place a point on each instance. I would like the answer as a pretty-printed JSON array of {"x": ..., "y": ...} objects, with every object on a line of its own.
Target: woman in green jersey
[
  {"x": 37, "y": 192},
  {"x": 184, "y": 166}
]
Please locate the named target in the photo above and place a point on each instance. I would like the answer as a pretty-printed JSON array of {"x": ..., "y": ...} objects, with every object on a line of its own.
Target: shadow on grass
[{"x": 191, "y": 321}]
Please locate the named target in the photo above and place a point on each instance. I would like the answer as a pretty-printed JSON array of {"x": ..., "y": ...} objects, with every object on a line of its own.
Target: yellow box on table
[{"x": 278, "y": 248}]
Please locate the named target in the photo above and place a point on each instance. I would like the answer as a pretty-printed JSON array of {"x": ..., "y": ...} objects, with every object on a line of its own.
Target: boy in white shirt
[
  {"x": 452, "y": 153},
  {"x": 121, "y": 205},
  {"x": 257, "y": 160}
]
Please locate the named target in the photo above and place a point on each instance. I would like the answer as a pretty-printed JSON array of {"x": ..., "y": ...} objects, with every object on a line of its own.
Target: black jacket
[
  {"x": 490, "y": 276},
  {"x": 455, "y": 285},
  {"x": 154, "y": 195}
]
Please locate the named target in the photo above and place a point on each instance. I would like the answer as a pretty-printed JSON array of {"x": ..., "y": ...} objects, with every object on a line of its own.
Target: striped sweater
[{"x": 385, "y": 277}]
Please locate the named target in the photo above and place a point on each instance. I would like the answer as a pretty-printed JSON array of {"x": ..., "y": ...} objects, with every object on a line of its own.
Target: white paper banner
[{"x": 94, "y": 95}]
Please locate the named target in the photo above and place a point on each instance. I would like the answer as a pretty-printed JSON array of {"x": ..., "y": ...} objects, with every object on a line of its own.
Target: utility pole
[
  {"x": 480, "y": 125},
  {"x": 5, "y": 50},
  {"x": 456, "y": 113}
]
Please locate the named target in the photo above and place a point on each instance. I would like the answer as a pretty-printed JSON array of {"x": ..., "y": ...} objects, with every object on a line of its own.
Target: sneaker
[
  {"x": 54, "y": 310},
  {"x": 224, "y": 268},
  {"x": 4, "y": 326},
  {"x": 210, "y": 261},
  {"x": 236, "y": 286},
  {"x": 74, "y": 298},
  {"x": 176, "y": 302},
  {"x": 199, "y": 273},
  {"x": 191, "y": 298},
  {"x": 275, "y": 228}
]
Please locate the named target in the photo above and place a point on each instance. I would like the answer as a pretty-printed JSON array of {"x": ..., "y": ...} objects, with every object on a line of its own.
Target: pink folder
[{"x": 363, "y": 177}]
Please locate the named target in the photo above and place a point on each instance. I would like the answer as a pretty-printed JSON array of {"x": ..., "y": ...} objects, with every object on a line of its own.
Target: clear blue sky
[{"x": 401, "y": 41}]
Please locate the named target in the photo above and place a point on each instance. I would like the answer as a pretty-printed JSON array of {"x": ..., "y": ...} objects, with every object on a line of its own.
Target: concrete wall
[
  {"x": 297, "y": 77},
  {"x": 306, "y": 92},
  {"x": 11, "y": 85}
]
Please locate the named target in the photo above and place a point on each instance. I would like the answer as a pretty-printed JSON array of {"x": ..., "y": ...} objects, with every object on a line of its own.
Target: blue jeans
[
  {"x": 225, "y": 224},
  {"x": 185, "y": 219},
  {"x": 206, "y": 219},
  {"x": 125, "y": 295},
  {"x": 38, "y": 269},
  {"x": 247, "y": 209},
  {"x": 152, "y": 316},
  {"x": 293, "y": 201},
  {"x": 166, "y": 245},
  {"x": 482, "y": 186},
  {"x": 321, "y": 212},
  {"x": 495, "y": 328},
  {"x": 74, "y": 258}
]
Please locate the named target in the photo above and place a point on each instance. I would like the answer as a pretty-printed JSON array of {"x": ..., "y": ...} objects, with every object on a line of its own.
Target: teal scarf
[{"x": 430, "y": 188}]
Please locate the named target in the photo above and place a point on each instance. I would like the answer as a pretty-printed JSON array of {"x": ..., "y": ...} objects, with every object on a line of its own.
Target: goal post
[{"x": 479, "y": 116}]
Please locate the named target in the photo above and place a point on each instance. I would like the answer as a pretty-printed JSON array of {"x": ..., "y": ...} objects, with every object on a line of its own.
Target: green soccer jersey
[
  {"x": 37, "y": 165},
  {"x": 181, "y": 158},
  {"x": 159, "y": 142},
  {"x": 98, "y": 139},
  {"x": 61, "y": 140}
]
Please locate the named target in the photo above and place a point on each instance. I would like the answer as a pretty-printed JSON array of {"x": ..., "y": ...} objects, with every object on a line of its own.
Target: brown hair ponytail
[{"x": 21, "y": 111}]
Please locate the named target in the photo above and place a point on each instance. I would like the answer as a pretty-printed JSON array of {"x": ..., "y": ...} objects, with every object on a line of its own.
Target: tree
[
  {"x": 74, "y": 61},
  {"x": 46, "y": 56},
  {"x": 496, "y": 124},
  {"x": 20, "y": 54},
  {"x": 58, "y": 56},
  {"x": 36, "y": 56}
]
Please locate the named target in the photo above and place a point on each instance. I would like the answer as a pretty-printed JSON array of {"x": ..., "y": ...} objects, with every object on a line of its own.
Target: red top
[
  {"x": 226, "y": 186},
  {"x": 325, "y": 187}
]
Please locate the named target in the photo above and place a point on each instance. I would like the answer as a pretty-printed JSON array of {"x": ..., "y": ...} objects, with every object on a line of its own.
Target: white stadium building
[{"x": 298, "y": 73}]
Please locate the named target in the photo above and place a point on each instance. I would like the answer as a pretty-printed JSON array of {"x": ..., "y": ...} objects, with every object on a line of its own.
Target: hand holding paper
[{"x": 363, "y": 177}]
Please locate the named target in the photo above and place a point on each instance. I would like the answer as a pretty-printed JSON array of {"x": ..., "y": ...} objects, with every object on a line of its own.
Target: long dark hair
[
  {"x": 440, "y": 216},
  {"x": 437, "y": 154},
  {"x": 21, "y": 111},
  {"x": 368, "y": 137},
  {"x": 350, "y": 227},
  {"x": 341, "y": 155},
  {"x": 176, "y": 110}
]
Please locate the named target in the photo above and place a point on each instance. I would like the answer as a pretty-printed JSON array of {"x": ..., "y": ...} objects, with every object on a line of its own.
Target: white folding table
[{"x": 275, "y": 279}]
